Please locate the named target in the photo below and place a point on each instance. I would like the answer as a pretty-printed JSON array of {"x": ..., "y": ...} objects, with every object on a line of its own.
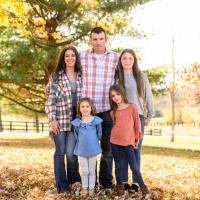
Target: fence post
[
  {"x": 10, "y": 126},
  {"x": 1, "y": 125},
  {"x": 36, "y": 122}
]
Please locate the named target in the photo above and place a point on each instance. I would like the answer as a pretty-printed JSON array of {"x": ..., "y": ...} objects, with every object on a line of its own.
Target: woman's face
[
  {"x": 127, "y": 61},
  {"x": 70, "y": 58}
]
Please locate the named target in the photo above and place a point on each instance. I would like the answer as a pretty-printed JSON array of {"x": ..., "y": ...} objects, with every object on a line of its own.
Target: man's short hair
[{"x": 97, "y": 30}]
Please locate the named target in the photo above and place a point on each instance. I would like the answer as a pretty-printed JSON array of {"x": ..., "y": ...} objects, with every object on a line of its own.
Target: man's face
[{"x": 98, "y": 42}]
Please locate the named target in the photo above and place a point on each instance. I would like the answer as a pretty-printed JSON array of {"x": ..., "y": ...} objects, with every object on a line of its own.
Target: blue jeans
[
  {"x": 119, "y": 152},
  {"x": 64, "y": 144},
  {"x": 106, "y": 162},
  {"x": 137, "y": 155}
]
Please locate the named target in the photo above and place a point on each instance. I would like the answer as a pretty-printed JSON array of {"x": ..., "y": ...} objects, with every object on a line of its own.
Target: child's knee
[{"x": 85, "y": 172}]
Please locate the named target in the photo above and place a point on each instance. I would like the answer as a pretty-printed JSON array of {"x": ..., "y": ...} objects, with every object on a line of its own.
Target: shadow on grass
[
  {"x": 45, "y": 142},
  {"x": 48, "y": 143},
  {"x": 166, "y": 151}
]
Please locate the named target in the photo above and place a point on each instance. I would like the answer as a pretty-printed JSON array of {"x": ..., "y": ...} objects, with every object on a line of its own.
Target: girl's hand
[
  {"x": 146, "y": 122},
  {"x": 136, "y": 144},
  {"x": 54, "y": 126}
]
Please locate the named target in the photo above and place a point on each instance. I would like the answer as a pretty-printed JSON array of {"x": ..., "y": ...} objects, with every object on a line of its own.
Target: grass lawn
[
  {"x": 172, "y": 171},
  {"x": 191, "y": 143}
]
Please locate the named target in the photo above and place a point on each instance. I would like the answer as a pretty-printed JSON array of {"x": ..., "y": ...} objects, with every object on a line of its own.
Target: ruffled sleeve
[
  {"x": 76, "y": 122},
  {"x": 97, "y": 122}
]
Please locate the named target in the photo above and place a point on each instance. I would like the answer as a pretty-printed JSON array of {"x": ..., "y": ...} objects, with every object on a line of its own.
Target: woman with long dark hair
[{"x": 64, "y": 93}]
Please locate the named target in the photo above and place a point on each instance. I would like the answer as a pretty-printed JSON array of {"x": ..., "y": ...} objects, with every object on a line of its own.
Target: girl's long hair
[
  {"x": 86, "y": 99},
  {"x": 121, "y": 91},
  {"x": 119, "y": 75},
  {"x": 61, "y": 62}
]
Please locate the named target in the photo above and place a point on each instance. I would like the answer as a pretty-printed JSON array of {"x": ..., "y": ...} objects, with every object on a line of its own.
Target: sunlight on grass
[{"x": 180, "y": 143}]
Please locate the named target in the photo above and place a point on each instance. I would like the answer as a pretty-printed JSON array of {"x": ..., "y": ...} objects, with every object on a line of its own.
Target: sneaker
[
  {"x": 145, "y": 192},
  {"x": 91, "y": 192},
  {"x": 134, "y": 188},
  {"x": 120, "y": 190}
]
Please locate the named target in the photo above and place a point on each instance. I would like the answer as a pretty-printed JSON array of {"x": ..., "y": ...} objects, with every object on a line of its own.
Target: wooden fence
[
  {"x": 24, "y": 126},
  {"x": 196, "y": 124},
  {"x": 153, "y": 131}
]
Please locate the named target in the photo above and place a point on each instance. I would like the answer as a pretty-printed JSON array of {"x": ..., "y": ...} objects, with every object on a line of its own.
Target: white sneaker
[
  {"x": 84, "y": 192},
  {"x": 91, "y": 192}
]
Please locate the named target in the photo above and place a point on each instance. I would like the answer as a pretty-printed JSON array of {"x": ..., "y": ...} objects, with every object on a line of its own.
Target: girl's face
[
  {"x": 127, "y": 61},
  {"x": 116, "y": 97},
  {"x": 70, "y": 58},
  {"x": 85, "y": 109}
]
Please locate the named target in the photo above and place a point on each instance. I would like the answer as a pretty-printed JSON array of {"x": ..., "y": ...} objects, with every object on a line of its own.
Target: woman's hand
[
  {"x": 47, "y": 90},
  {"x": 54, "y": 126}
]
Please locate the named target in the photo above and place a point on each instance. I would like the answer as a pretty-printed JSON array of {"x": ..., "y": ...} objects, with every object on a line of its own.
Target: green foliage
[
  {"x": 157, "y": 79},
  {"x": 31, "y": 33}
]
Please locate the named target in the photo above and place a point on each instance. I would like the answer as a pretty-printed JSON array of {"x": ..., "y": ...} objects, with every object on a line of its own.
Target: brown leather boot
[
  {"x": 145, "y": 192},
  {"x": 120, "y": 190}
]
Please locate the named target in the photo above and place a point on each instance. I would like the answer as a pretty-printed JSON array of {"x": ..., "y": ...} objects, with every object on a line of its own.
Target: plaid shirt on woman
[
  {"x": 98, "y": 75},
  {"x": 59, "y": 102}
]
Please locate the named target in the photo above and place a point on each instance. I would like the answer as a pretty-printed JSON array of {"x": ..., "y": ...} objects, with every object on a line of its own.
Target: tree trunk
[{"x": 36, "y": 122}]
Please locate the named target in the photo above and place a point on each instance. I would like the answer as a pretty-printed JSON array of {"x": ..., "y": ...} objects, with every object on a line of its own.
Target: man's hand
[{"x": 54, "y": 126}]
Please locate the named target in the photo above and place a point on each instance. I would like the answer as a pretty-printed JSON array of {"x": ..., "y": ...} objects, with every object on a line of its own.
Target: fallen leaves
[{"x": 26, "y": 172}]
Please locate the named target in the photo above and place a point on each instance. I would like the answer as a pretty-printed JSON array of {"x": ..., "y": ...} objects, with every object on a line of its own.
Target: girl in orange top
[{"x": 125, "y": 136}]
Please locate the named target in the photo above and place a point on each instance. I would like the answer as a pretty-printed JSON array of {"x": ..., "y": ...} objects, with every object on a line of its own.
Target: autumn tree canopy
[
  {"x": 190, "y": 81},
  {"x": 31, "y": 32}
]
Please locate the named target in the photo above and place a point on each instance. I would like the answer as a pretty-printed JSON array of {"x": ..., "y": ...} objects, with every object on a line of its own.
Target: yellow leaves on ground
[{"x": 26, "y": 172}]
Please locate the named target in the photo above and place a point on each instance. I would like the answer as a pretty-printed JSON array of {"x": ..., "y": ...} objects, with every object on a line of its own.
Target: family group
[{"x": 98, "y": 103}]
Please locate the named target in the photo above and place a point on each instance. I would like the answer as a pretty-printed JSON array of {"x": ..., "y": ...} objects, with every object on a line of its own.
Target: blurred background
[{"x": 164, "y": 33}]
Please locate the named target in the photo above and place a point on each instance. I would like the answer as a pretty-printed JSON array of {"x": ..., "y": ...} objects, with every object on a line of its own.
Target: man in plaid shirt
[{"x": 98, "y": 68}]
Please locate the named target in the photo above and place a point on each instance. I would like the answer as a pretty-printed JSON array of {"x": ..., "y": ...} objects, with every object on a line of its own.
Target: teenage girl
[
  {"x": 88, "y": 132},
  {"x": 125, "y": 136},
  {"x": 138, "y": 92}
]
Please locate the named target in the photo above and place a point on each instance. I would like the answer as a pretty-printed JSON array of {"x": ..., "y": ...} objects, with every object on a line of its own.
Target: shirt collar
[{"x": 105, "y": 53}]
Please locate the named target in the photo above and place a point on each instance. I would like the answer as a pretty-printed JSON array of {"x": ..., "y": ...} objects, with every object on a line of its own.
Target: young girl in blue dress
[{"x": 88, "y": 132}]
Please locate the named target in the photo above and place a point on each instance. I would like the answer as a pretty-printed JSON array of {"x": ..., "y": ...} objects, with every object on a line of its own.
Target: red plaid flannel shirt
[
  {"x": 59, "y": 102},
  {"x": 98, "y": 76}
]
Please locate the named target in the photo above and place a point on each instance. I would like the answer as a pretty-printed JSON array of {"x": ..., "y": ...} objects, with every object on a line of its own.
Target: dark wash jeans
[
  {"x": 106, "y": 162},
  {"x": 119, "y": 152},
  {"x": 64, "y": 145},
  {"x": 137, "y": 155}
]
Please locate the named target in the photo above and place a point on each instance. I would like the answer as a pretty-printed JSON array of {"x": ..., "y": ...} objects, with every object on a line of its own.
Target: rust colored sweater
[{"x": 126, "y": 129}]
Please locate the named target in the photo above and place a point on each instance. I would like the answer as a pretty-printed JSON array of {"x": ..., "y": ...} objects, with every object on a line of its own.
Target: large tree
[{"x": 31, "y": 32}]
